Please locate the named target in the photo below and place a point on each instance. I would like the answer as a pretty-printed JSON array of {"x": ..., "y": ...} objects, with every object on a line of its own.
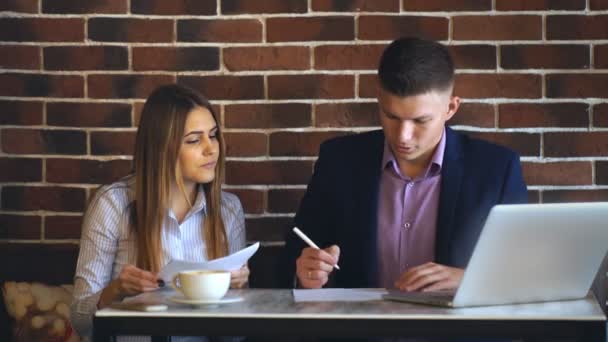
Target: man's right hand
[{"x": 314, "y": 266}]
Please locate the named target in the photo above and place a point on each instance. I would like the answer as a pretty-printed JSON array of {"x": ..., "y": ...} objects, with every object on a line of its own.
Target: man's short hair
[{"x": 414, "y": 66}]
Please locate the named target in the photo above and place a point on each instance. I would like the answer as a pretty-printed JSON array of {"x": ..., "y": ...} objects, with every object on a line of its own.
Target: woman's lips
[{"x": 210, "y": 165}]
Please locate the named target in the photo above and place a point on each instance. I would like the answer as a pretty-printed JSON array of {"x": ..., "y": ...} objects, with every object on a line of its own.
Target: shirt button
[
  {"x": 406, "y": 225},
  {"x": 410, "y": 184}
]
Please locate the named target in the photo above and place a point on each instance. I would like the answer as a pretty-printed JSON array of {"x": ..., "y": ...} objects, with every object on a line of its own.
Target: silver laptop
[{"x": 529, "y": 253}]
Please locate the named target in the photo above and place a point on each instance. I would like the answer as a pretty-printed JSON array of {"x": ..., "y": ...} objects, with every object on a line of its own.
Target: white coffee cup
[{"x": 202, "y": 284}]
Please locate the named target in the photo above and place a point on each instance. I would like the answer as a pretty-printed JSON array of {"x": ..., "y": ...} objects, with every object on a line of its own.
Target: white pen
[{"x": 309, "y": 241}]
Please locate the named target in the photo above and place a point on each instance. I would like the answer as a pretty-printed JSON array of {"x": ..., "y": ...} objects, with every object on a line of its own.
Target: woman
[{"x": 171, "y": 207}]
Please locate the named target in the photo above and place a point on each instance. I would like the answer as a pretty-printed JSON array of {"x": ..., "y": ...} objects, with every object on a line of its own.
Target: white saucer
[{"x": 183, "y": 300}]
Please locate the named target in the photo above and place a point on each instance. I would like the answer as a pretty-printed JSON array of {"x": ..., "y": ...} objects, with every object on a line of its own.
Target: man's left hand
[{"x": 430, "y": 277}]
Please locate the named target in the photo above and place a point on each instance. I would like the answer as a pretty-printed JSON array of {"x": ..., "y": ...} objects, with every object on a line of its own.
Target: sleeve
[
  {"x": 314, "y": 217},
  {"x": 98, "y": 246},
  {"x": 234, "y": 218},
  {"x": 514, "y": 187}
]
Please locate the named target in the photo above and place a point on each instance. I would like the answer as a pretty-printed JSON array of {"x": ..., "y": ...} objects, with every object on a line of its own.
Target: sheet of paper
[
  {"x": 228, "y": 263},
  {"x": 338, "y": 295}
]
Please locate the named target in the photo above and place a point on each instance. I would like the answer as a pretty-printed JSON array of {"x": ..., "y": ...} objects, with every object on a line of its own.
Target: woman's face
[{"x": 200, "y": 147}]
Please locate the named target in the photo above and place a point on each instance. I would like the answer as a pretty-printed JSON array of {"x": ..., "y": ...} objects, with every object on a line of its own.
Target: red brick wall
[{"x": 285, "y": 75}]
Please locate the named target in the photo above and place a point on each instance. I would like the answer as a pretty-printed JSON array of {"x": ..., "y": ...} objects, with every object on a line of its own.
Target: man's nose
[{"x": 406, "y": 131}]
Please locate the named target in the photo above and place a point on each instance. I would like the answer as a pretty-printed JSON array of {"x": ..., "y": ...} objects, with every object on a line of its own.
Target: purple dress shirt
[{"x": 407, "y": 216}]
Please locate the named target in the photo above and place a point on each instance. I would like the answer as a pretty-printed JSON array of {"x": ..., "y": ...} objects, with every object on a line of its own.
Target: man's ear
[{"x": 452, "y": 107}]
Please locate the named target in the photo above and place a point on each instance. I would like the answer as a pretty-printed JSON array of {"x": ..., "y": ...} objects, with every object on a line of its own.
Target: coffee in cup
[{"x": 202, "y": 285}]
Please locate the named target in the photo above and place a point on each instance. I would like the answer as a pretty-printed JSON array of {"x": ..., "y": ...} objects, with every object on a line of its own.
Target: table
[{"x": 266, "y": 312}]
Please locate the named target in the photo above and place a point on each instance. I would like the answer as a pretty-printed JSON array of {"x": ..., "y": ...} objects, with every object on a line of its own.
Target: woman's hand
[
  {"x": 130, "y": 281},
  {"x": 239, "y": 278}
]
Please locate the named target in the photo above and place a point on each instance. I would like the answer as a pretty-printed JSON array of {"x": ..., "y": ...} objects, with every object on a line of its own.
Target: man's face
[{"x": 413, "y": 125}]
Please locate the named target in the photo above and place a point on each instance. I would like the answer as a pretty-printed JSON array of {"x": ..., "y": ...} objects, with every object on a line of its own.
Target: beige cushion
[{"x": 39, "y": 312}]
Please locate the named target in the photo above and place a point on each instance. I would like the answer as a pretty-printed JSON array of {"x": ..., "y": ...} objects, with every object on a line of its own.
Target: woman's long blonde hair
[{"x": 156, "y": 168}]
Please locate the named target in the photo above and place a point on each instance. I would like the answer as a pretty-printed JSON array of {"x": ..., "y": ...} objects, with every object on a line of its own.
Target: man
[{"x": 402, "y": 207}]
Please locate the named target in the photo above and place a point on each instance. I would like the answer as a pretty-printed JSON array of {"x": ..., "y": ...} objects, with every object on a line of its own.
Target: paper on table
[
  {"x": 338, "y": 295},
  {"x": 228, "y": 263}
]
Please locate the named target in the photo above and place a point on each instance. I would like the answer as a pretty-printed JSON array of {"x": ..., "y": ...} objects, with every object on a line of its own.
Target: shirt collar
[{"x": 434, "y": 167}]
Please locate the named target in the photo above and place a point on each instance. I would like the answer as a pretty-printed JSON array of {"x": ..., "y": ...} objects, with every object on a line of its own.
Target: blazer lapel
[{"x": 451, "y": 179}]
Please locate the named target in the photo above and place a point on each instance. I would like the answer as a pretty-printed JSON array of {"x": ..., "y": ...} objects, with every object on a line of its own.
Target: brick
[
  {"x": 62, "y": 227},
  {"x": 86, "y": 58},
  {"x": 564, "y": 196},
  {"x": 41, "y": 85},
  {"x": 526, "y": 144},
  {"x": 539, "y": 5},
  {"x": 175, "y": 7},
  {"x": 62, "y": 170},
  {"x": 43, "y": 141},
  {"x": 473, "y": 56},
  {"x": 601, "y": 172},
  {"x": 533, "y": 196},
  {"x": 267, "y": 58},
  {"x": 576, "y": 85},
  {"x": 20, "y": 227},
  {"x": 368, "y": 85},
  {"x": 355, "y": 6},
  {"x": 558, "y": 173},
  {"x": 310, "y": 28},
  {"x": 498, "y": 86},
  {"x": 221, "y": 31},
  {"x": 299, "y": 143},
  {"x": 83, "y": 114},
  {"x": 24, "y": 6},
  {"x": 572, "y": 27},
  {"x": 268, "y": 172},
  {"x": 20, "y": 170},
  {"x": 266, "y": 6},
  {"x": 502, "y": 27},
  {"x": 253, "y": 201},
  {"x": 42, "y": 29},
  {"x": 284, "y": 200},
  {"x": 268, "y": 228},
  {"x": 176, "y": 59},
  {"x": 598, "y": 4},
  {"x": 348, "y": 57},
  {"x": 544, "y": 56},
  {"x": 268, "y": 115},
  {"x": 376, "y": 27},
  {"x": 138, "y": 106},
  {"x": 112, "y": 86},
  {"x": 112, "y": 143},
  {"x": 474, "y": 114},
  {"x": 131, "y": 30},
  {"x": 20, "y": 112},
  {"x": 576, "y": 144},
  {"x": 226, "y": 87},
  {"x": 543, "y": 115},
  {"x": 312, "y": 86},
  {"x": 600, "y": 59},
  {"x": 355, "y": 114},
  {"x": 84, "y": 7},
  {"x": 600, "y": 115},
  {"x": 52, "y": 198},
  {"x": 246, "y": 144},
  {"x": 19, "y": 57},
  {"x": 446, "y": 6}
]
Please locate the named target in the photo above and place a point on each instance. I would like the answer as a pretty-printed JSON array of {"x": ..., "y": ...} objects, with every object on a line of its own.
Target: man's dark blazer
[{"x": 340, "y": 204}]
